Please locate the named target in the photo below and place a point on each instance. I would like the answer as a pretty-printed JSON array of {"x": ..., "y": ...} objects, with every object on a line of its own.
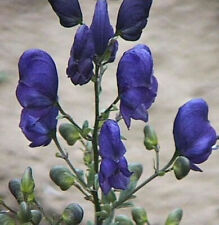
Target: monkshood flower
[
  {"x": 137, "y": 86},
  {"x": 68, "y": 11},
  {"x": 80, "y": 64},
  {"x": 132, "y": 18},
  {"x": 114, "y": 171},
  {"x": 193, "y": 134},
  {"x": 101, "y": 28},
  {"x": 37, "y": 94}
]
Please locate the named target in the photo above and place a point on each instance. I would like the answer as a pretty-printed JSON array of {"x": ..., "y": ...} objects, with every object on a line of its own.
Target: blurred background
[{"x": 184, "y": 39}]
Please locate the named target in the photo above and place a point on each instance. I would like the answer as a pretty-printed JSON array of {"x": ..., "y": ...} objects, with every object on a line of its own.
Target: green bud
[
  {"x": 87, "y": 158},
  {"x": 123, "y": 220},
  {"x": 73, "y": 214},
  {"x": 62, "y": 177},
  {"x": 14, "y": 186},
  {"x": 181, "y": 167},
  {"x": 27, "y": 182},
  {"x": 6, "y": 220},
  {"x": 24, "y": 213},
  {"x": 69, "y": 132},
  {"x": 109, "y": 198},
  {"x": 137, "y": 170},
  {"x": 139, "y": 215},
  {"x": 150, "y": 138},
  {"x": 174, "y": 217},
  {"x": 36, "y": 216}
]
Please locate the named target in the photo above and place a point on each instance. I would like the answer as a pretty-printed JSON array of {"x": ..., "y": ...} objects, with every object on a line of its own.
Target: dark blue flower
[
  {"x": 137, "y": 86},
  {"x": 101, "y": 27},
  {"x": 193, "y": 134},
  {"x": 132, "y": 18},
  {"x": 114, "y": 174},
  {"x": 114, "y": 171},
  {"x": 37, "y": 94},
  {"x": 38, "y": 125},
  {"x": 80, "y": 64},
  {"x": 68, "y": 11}
]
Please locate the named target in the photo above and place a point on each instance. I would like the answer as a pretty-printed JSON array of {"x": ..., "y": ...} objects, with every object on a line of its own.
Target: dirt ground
[{"x": 184, "y": 39}]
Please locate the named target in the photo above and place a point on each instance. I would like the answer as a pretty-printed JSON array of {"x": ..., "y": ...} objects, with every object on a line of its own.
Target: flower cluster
[
  {"x": 37, "y": 94},
  {"x": 114, "y": 171},
  {"x": 137, "y": 89},
  {"x": 193, "y": 134}
]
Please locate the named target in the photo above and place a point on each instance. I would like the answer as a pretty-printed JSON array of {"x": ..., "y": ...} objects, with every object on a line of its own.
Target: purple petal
[
  {"x": 132, "y": 18},
  {"x": 119, "y": 181},
  {"x": 31, "y": 98},
  {"x": 101, "y": 27},
  {"x": 68, "y": 11},
  {"x": 37, "y": 70},
  {"x": 80, "y": 64},
  {"x": 108, "y": 167},
  {"x": 104, "y": 184},
  {"x": 37, "y": 125},
  {"x": 140, "y": 75},
  {"x": 110, "y": 143},
  {"x": 193, "y": 134}
]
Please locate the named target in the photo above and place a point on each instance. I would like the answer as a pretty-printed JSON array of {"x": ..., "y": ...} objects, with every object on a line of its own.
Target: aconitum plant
[{"x": 109, "y": 181}]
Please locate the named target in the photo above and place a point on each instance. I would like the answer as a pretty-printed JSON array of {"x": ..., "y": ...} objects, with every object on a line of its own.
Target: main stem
[{"x": 95, "y": 142}]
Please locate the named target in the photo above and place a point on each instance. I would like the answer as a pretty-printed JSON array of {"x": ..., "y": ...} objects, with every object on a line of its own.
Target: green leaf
[
  {"x": 109, "y": 198},
  {"x": 123, "y": 220},
  {"x": 125, "y": 205},
  {"x": 6, "y": 220},
  {"x": 24, "y": 213}
]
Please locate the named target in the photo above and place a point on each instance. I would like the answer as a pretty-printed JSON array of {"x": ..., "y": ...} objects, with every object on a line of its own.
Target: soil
[{"x": 184, "y": 39}]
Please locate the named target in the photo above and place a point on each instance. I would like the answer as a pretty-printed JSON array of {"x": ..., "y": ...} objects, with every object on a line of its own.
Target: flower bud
[
  {"x": 6, "y": 220},
  {"x": 123, "y": 220},
  {"x": 24, "y": 213},
  {"x": 174, "y": 217},
  {"x": 36, "y": 216},
  {"x": 181, "y": 167},
  {"x": 150, "y": 138},
  {"x": 14, "y": 186},
  {"x": 139, "y": 215},
  {"x": 73, "y": 214},
  {"x": 137, "y": 170},
  {"x": 27, "y": 181},
  {"x": 62, "y": 177},
  {"x": 69, "y": 132}
]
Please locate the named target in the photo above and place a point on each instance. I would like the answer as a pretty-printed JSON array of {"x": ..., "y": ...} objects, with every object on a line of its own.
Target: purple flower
[
  {"x": 37, "y": 125},
  {"x": 101, "y": 28},
  {"x": 137, "y": 86},
  {"x": 132, "y": 18},
  {"x": 193, "y": 134},
  {"x": 80, "y": 64},
  {"x": 37, "y": 94},
  {"x": 114, "y": 171},
  {"x": 68, "y": 11}
]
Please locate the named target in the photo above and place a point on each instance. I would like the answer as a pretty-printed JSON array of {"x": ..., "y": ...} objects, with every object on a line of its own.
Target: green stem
[
  {"x": 95, "y": 142},
  {"x": 157, "y": 150},
  {"x": 65, "y": 157},
  {"x": 156, "y": 174},
  {"x": 70, "y": 119},
  {"x": 8, "y": 208},
  {"x": 111, "y": 106},
  {"x": 49, "y": 220}
]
